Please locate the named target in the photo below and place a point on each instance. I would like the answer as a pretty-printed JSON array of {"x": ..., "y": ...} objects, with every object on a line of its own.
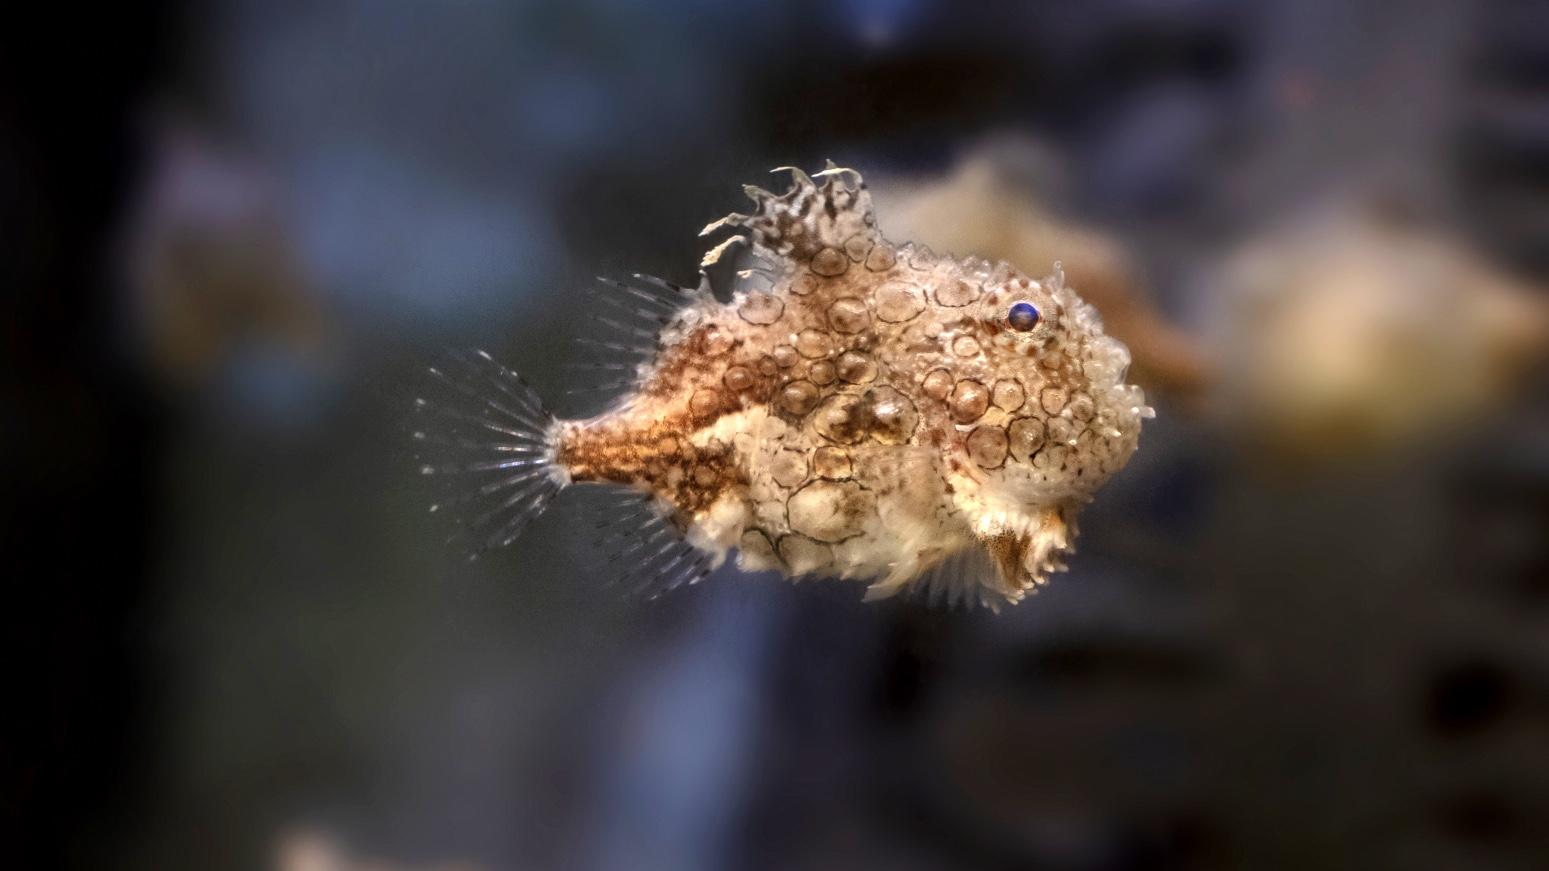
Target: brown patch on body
[
  {"x": 708, "y": 373},
  {"x": 689, "y": 477}
]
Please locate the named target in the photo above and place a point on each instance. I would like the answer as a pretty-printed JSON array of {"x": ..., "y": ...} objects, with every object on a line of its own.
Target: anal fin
[
  {"x": 643, "y": 551},
  {"x": 964, "y": 578}
]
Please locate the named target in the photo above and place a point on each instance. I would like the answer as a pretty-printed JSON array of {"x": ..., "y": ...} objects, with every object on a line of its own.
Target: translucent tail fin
[{"x": 480, "y": 430}]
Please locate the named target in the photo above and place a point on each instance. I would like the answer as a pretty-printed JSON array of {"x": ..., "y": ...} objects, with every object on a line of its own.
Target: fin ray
[
  {"x": 484, "y": 435},
  {"x": 635, "y": 314},
  {"x": 641, "y": 550},
  {"x": 958, "y": 580}
]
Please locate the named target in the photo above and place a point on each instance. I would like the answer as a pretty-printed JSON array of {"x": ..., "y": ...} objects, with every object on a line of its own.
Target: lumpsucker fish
[{"x": 858, "y": 409}]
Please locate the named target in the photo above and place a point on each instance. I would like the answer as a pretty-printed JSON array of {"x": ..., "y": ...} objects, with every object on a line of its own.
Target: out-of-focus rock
[
  {"x": 1355, "y": 330},
  {"x": 213, "y": 272}
]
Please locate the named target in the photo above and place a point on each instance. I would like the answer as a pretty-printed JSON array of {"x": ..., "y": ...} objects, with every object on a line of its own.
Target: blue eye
[{"x": 1023, "y": 316}]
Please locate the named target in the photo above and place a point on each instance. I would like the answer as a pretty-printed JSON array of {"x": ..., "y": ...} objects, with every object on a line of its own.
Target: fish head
[{"x": 1041, "y": 414}]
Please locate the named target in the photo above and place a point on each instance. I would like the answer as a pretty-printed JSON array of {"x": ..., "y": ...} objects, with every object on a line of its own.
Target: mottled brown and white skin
[{"x": 858, "y": 409}]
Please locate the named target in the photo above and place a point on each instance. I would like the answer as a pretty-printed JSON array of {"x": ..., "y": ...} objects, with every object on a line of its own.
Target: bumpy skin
[{"x": 871, "y": 412}]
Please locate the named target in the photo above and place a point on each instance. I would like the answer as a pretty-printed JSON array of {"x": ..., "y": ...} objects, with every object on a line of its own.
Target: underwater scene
[{"x": 683, "y": 436}]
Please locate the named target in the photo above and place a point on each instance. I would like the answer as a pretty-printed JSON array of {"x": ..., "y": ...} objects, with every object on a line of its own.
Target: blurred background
[{"x": 1306, "y": 627}]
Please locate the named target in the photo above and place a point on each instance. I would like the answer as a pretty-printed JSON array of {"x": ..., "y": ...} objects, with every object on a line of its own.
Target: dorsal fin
[
  {"x": 632, "y": 316},
  {"x": 831, "y": 211}
]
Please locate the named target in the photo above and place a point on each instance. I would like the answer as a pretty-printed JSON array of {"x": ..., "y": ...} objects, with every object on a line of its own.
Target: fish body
[{"x": 859, "y": 409}]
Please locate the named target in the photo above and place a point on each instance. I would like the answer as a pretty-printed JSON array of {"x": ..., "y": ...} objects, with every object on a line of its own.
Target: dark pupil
[{"x": 1023, "y": 316}]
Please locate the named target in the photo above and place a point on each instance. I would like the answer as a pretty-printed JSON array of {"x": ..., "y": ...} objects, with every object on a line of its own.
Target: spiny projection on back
[{"x": 859, "y": 409}]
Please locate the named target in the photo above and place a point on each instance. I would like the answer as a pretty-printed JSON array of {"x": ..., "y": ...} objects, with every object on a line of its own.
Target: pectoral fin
[{"x": 1026, "y": 550}]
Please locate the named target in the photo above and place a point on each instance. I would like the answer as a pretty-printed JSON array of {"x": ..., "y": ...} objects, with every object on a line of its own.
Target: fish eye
[{"x": 1022, "y": 316}]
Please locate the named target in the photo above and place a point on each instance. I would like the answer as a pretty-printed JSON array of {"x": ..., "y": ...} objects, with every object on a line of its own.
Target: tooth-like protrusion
[
  {"x": 756, "y": 193},
  {"x": 1056, "y": 278},
  {"x": 798, "y": 175},
  {"x": 713, "y": 256},
  {"x": 732, "y": 220},
  {"x": 833, "y": 169}
]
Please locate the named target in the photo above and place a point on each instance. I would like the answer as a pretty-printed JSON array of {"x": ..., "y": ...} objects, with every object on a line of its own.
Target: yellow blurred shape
[{"x": 1353, "y": 331}]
